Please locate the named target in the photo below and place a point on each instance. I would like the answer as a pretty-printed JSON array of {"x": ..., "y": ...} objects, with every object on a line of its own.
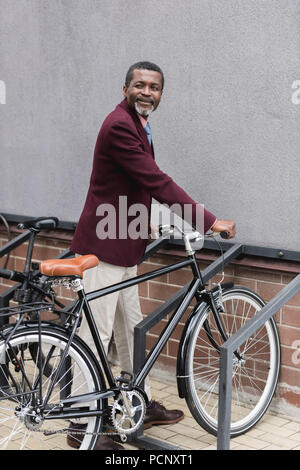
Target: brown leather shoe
[
  {"x": 103, "y": 442},
  {"x": 106, "y": 443},
  {"x": 158, "y": 414}
]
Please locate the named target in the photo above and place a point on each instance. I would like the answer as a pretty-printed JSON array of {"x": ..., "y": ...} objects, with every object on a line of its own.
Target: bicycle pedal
[{"x": 126, "y": 379}]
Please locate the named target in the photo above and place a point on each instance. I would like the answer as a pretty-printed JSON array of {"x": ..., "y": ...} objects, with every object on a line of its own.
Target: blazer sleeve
[{"x": 125, "y": 147}]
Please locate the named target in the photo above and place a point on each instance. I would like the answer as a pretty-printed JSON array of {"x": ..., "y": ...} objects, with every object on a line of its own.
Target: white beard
[{"x": 143, "y": 112}]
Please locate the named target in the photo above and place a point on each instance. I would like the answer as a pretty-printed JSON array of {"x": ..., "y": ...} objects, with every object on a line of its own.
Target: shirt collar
[{"x": 143, "y": 120}]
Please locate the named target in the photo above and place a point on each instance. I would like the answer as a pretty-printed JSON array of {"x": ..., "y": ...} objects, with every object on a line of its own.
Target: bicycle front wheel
[
  {"x": 26, "y": 421},
  {"x": 255, "y": 371}
]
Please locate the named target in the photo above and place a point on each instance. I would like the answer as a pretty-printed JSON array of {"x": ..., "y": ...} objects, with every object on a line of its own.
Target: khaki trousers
[{"x": 118, "y": 312}]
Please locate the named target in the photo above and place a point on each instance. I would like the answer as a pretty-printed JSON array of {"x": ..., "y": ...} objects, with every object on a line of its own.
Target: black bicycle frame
[
  {"x": 69, "y": 406},
  {"x": 195, "y": 289},
  {"x": 84, "y": 298},
  {"x": 83, "y": 304},
  {"x": 168, "y": 330}
]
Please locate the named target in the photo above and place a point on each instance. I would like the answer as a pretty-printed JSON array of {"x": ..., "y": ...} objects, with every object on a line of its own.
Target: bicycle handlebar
[
  {"x": 6, "y": 273},
  {"x": 162, "y": 240},
  {"x": 169, "y": 229},
  {"x": 39, "y": 223},
  {"x": 188, "y": 237}
]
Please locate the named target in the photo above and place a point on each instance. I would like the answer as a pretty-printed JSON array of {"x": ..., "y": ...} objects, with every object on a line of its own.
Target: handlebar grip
[
  {"x": 39, "y": 223},
  {"x": 7, "y": 274},
  {"x": 224, "y": 234}
]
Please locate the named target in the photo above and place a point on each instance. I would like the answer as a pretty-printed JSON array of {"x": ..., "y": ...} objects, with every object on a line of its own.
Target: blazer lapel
[{"x": 139, "y": 127}]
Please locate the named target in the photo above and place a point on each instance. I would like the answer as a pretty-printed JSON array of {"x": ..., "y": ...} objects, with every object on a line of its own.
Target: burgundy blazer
[{"x": 124, "y": 166}]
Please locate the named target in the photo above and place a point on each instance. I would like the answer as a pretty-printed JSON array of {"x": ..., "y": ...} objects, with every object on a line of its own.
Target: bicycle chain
[
  {"x": 46, "y": 432},
  {"x": 68, "y": 431}
]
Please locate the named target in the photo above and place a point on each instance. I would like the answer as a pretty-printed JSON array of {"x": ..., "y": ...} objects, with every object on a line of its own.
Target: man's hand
[
  {"x": 226, "y": 226},
  {"x": 154, "y": 235}
]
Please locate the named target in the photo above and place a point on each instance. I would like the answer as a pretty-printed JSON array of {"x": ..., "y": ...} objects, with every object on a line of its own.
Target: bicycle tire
[
  {"x": 255, "y": 376},
  {"x": 18, "y": 413}
]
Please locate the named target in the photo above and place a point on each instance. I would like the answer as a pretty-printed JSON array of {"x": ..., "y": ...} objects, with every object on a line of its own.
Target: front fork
[
  {"x": 204, "y": 299},
  {"x": 216, "y": 308}
]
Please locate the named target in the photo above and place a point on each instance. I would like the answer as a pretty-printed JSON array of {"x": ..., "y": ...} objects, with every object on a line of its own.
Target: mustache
[{"x": 145, "y": 100}]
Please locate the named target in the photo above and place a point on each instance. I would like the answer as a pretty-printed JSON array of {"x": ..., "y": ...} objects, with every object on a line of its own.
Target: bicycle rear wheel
[
  {"x": 254, "y": 376},
  {"x": 26, "y": 423}
]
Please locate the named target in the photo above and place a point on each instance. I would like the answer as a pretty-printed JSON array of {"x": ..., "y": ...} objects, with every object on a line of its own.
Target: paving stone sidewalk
[{"x": 273, "y": 432}]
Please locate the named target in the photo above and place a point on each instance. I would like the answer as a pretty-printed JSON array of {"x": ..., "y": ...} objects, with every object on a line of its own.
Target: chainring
[{"x": 128, "y": 422}]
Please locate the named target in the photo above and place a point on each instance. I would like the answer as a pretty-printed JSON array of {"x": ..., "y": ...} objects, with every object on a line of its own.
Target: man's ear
[{"x": 125, "y": 91}]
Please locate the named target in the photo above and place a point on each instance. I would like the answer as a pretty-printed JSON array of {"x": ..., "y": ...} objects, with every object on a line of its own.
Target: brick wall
[{"x": 265, "y": 276}]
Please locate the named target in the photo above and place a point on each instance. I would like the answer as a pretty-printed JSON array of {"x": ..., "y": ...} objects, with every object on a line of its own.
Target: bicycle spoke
[
  {"x": 23, "y": 419},
  {"x": 255, "y": 367}
]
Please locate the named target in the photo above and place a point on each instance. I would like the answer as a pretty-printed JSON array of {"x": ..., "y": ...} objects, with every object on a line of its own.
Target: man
[{"x": 124, "y": 166}]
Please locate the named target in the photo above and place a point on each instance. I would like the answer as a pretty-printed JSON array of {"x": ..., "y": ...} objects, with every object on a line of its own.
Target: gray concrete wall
[{"x": 227, "y": 128}]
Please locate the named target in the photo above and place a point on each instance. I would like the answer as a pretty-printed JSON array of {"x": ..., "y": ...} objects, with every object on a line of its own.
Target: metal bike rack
[
  {"x": 226, "y": 355},
  {"x": 139, "y": 439}
]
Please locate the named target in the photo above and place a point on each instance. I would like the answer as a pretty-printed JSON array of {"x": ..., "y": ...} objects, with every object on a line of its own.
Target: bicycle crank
[{"x": 128, "y": 412}]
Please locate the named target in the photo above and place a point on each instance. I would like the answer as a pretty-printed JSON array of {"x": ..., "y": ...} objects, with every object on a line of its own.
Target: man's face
[{"x": 144, "y": 91}]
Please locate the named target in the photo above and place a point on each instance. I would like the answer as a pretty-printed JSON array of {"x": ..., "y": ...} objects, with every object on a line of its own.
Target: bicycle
[
  {"x": 30, "y": 285},
  {"x": 36, "y": 406},
  {"x": 8, "y": 232}
]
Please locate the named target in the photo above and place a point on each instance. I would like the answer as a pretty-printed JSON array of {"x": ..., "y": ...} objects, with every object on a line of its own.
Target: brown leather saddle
[{"x": 68, "y": 267}]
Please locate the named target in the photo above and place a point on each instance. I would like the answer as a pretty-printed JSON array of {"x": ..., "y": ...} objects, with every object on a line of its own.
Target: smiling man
[
  {"x": 144, "y": 99},
  {"x": 124, "y": 167}
]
